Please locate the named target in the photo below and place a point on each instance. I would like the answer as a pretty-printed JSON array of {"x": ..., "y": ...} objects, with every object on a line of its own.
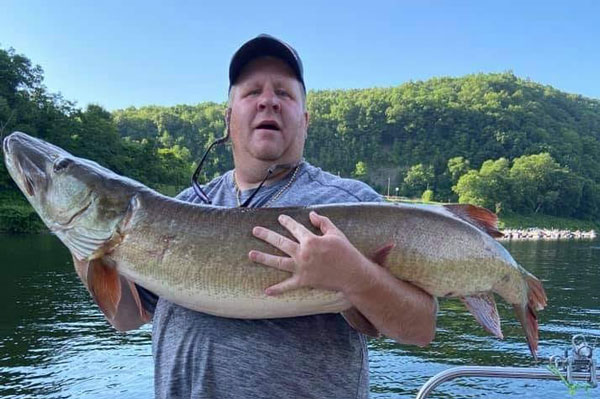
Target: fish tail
[
  {"x": 536, "y": 294},
  {"x": 526, "y": 313}
]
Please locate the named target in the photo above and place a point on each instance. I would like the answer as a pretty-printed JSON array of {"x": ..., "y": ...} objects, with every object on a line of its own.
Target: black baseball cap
[{"x": 261, "y": 46}]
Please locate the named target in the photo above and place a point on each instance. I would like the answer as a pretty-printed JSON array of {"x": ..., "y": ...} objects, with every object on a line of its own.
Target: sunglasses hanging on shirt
[{"x": 206, "y": 199}]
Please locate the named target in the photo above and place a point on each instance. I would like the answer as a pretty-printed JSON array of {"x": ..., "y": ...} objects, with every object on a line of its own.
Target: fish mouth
[
  {"x": 5, "y": 146},
  {"x": 29, "y": 187},
  {"x": 15, "y": 170},
  {"x": 25, "y": 162},
  {"x": 24, "y": 174}
]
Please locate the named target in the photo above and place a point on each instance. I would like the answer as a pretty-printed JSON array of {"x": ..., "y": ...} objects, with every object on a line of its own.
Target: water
[{"x": 54, "y": 343}]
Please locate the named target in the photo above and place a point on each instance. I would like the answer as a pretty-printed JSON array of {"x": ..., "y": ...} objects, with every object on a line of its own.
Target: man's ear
[
  {"x": 306, "y": 122},
  {"x": 227, "y": 117}
]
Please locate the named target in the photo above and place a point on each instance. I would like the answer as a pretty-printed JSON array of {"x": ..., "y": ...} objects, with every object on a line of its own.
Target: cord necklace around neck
[{"x": 274, "y": 198}]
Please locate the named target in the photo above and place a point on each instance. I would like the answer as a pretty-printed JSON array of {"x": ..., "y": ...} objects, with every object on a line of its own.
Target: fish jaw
[
  {"x": 78, "y": 200},
  {"x": 35, "y": 166}
]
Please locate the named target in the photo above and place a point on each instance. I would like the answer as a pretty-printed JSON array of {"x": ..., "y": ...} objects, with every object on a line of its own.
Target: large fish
[{"x": 120, "y": 232}]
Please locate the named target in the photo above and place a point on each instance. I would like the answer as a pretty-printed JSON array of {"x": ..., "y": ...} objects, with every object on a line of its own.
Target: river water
[{"x": 54, "y": 342}]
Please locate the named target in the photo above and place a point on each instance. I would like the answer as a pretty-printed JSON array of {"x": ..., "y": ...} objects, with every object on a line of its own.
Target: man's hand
[
  {"x": 328, "y": 261},
  {"x": 396, "y": 308}
]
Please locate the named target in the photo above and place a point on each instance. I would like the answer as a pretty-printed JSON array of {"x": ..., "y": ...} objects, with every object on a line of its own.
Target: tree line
[{"x": 495, "y": 140}]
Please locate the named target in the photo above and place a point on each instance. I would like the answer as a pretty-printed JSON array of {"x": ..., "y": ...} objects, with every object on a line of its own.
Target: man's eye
[{"x": 283, "y": 93}]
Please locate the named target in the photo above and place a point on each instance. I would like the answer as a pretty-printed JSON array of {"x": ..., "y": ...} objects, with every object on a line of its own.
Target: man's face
[{"x": 267, "y": 118}]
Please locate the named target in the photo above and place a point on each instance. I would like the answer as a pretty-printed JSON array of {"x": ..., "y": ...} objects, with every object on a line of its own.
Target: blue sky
[{"x": 122, "y": 53}]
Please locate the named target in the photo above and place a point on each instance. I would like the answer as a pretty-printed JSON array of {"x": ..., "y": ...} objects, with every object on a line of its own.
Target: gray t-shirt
[{"x": 202, "y": 356}]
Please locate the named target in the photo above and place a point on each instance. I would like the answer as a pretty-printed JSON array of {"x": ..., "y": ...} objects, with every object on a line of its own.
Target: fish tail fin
[
  {"x": 526, "y": 313},
  {"x": 536, "y": 294},
  {"x": 528, "y": 320}
]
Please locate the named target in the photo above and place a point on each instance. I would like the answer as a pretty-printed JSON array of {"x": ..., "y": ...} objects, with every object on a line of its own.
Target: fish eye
[{"x": 61, "y": 164}]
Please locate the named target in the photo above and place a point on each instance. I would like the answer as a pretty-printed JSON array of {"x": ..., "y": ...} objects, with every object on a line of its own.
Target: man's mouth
[{"x": 268, "y": 125}]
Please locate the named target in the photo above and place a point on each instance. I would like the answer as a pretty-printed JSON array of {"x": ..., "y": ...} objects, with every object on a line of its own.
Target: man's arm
[{"x": 396, "y": 308}]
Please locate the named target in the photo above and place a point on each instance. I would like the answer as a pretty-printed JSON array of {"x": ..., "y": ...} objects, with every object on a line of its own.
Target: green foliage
[
  {"x": 488, "y": 187},
  {"x": 360, "y": 171},
  {"x": 495, "y": 140},
  {"x": 427, "y": 196},
  {"x": 519, "y": 221},
  {"x": 572, "y": 387},
  {"x": 535, "y": 183},
  {"x": 418, "y": 178},
  {"x": 457, "y": 167},
  {"x": 541, "y": 184},
  {"x": 17, "y": 216}
]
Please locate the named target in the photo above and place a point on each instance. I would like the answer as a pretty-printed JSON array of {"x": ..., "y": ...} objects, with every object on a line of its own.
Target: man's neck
[{"x": 247, "y": 177}]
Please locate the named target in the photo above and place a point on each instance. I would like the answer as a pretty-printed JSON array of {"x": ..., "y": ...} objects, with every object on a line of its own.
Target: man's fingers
[
  {"x": 278, "y": 262},
  {"x": 277, "y": 240},
  {"x": 323, "y": 223},
  {"x": 297, "y": 229},
  {"x": 286, "y": 285}
]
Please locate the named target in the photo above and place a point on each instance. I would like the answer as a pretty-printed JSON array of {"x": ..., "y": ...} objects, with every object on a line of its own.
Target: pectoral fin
[
  {"x": 483, "y": 308},
  {"x": 105, "y": 285},
  {"x": 381, "y": 254},
  {"x": 116, "y": 296}
]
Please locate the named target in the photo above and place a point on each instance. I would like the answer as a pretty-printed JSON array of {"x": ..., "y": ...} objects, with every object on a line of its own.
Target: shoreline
[{"x": 534, "y": 233}]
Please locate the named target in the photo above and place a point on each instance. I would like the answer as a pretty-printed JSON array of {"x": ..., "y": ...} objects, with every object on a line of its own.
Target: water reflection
[{"x": 54, "y": 343}]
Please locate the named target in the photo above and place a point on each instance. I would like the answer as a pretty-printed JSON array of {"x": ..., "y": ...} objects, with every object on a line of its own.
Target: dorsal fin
[{"x": 483, "y": 218}]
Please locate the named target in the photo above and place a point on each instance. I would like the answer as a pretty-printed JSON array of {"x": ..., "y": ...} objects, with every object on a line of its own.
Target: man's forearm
[{"x": 396, "y": 308}]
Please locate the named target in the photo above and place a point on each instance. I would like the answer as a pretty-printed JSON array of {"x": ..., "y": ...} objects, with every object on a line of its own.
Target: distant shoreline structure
[{"x": 547, "y": 234}]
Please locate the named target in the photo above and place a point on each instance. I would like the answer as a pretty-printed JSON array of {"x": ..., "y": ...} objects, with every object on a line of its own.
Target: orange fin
[
  {"x": 537, "y": 295},
  {"x": 483, "y": 218},
  {"x": 381, "y": 254},
  {"x": 483, "y": 308},
  {"x": 527, "y": 313},
  {"x": 117, "y": 297},
  {"x": 105, "y": 286},
  {"x": 130, "y": 311},
  {"x": 528, "y": 320},
  {"x": 360, "y": 323}
]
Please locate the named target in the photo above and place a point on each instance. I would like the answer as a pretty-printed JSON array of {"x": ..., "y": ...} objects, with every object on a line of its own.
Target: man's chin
[{"x": 266, "y": 154}]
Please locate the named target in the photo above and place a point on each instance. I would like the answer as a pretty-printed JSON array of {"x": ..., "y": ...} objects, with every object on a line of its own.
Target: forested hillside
[{"x": 491, "y": 139}]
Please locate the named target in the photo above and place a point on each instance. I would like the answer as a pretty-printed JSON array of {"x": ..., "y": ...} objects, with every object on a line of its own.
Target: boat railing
[{"x": 578, "y": 364}]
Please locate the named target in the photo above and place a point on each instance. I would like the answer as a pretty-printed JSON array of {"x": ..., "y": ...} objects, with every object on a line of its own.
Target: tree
[
  {"x": 418, "y": 178},
  {"x": 488, "y": 187},
  {"x": 540, "y": 184},
  {"x": 360, "y": 171},
  {"x": 427, "y": 196},
  {"x": 457, "y": 167}
]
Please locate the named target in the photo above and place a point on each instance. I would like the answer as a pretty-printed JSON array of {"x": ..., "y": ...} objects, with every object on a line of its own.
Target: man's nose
[{"x": 269, "y": 100}]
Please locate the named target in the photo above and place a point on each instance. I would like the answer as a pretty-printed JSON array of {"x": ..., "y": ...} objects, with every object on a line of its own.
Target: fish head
[{"x": 71, "y": 195}]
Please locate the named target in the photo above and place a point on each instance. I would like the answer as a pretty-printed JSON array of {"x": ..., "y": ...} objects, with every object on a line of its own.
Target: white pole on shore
[{"x": 389, "y": 180}]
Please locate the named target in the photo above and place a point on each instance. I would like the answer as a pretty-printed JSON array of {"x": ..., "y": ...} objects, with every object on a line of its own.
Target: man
[{"x": 321, "y": 356}]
